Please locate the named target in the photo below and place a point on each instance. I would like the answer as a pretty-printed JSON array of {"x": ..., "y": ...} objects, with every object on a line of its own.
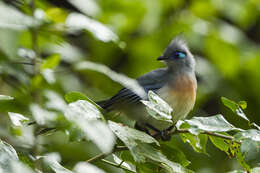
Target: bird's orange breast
[{"x": 181, "y": 95}]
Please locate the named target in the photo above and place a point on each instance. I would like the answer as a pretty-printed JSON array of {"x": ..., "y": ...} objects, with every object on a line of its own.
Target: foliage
[{"x": 51, "y": 65}]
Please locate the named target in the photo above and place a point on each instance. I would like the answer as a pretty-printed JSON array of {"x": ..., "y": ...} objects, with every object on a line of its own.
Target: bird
[{"x": 176, "y": 84}]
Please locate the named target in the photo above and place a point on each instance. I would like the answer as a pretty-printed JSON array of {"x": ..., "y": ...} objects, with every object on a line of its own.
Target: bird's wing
[{"x": 153, "y": 80}]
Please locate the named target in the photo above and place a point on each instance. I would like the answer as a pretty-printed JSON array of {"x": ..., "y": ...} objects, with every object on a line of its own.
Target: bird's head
[{"x": 177, "y": 55}]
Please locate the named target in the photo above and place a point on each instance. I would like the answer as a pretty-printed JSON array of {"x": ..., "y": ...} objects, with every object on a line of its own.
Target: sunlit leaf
[
  {"x": 17, "y": 119},
  {"x": 198, "y": 143},
  {"x": 130, "y": 137},
  {"x": 220, "y": 143},
  {"x": 75, "y": 96},
  {"x": 120, "y": 78},
  {"x": 160, "y": 109},
  {"x": 235, "y": 107},
  {"x": 86, "y": 116},
  {"x": 52, "y": 160},
  {"x": 77, "y": 21},
  {"x": 83, "y": 167},
  {"x": 4, "y": 97},
  {"x": 215, "y": 123},
  {"x": 51, "y": 62}
]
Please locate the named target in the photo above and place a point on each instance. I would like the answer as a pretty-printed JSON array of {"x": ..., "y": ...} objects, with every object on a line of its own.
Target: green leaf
[
  {"x": 248, "y": 134},
  {"x": 17, "y": 119},
  {"x": 174, "y": 154},
  {"x": 158, "y": 108},
  {"x": 84, "y": 167},
  {"x": 153, "y": 155},
  {"x": 215, "y": 123},
  {"x": 86, "y": 116},
  {"x": 240, "y": 158},
  {"x": 77, "y": 21},
  {"x": 51, "y": 62},
  {"x": 127, "y": 82},
  {"x": 220, "y": 143},
  {"x": 123, "y": 163},
  {"x": 130, "y": 137},
  {"x": 5, "y": 97},
  {"x": 74, "y": 96},
  {"x": 235, "y": 107},
  {"x": 52, "y": 160},
  {"x": 242, "y": 104},
  {"x": 198, "y": 143}
]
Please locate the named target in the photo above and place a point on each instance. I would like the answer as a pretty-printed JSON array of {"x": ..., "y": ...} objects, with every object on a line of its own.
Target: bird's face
[{"x": 177, "y": 55}]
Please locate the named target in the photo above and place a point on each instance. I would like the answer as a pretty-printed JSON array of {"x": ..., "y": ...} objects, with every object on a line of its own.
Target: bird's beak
[{"x": 161, "y": 58}]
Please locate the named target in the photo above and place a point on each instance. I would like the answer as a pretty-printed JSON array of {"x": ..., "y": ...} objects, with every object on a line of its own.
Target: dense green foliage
[{"x": 51, "y": 73}]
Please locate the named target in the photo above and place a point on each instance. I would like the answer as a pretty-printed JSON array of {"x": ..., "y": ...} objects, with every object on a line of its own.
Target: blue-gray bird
[{"x": 176, "y": 84}]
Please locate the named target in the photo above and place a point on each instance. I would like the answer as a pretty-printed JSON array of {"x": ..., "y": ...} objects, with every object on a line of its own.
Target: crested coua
[{"x": 176, "y": 84}]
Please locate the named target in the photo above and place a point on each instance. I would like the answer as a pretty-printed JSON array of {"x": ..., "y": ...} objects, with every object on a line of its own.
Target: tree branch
[{"x": 117, "y": 165}]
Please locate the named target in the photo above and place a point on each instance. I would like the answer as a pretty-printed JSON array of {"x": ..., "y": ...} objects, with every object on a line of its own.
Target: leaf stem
[{"x": 117, "y": 165}]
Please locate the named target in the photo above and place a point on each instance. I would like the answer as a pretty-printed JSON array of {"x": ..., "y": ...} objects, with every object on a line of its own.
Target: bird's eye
[{"x": 179, "y": 54}]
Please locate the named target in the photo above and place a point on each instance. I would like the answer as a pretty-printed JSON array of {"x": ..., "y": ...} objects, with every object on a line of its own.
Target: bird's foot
[{"x": 164, "y": 135}]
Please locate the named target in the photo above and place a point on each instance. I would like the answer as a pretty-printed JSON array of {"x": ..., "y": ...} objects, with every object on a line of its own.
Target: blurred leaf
[
  {"x": 84, "y": 167},
  {"x": 120, "y": 78},
  {"x": 255, "y": 170},
  {"x": 51, "y": 62},
  {"x": 198, "y": 143},
  {"x": 14, "y": 19},
  {"x": 52, "y": 160},
  {"x": 57, "y": 15},
  {"x": 152, "y": 154},
  {"x": 77, "y": 21},
  {"x": 48, "y": 75},
  {"x": 89, "y": 7},
  {"x": 17, "y": 119},
  {"x": 158, "y": 108},
  {"x": 41, "y": 116},
  {"x": 4, "y": 97},
  {"x": 55, "y": 101},
  {"x": 85, "y": 115},
  {"x": 248, "y": 134},
  {"x": 130, "y": 137},
  {"x": 235, "y": 107},
  {"x": 175, "y": 154},
  {"x": 255, "y": 125},
  {"x": 147, "y": 167}
]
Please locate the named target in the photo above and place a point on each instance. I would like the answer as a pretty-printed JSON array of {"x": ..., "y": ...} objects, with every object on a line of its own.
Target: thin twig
[
  {"x": 117, "y": 165},
  {"x": 103, "y": 155},
  {"x": 231, "y": 138}
]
